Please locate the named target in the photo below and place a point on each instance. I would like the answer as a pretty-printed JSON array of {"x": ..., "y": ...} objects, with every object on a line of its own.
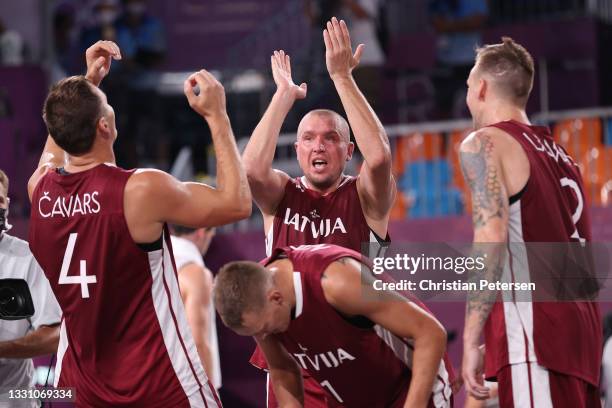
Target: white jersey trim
[
  {"x": 299, "y": 296},
  {"x": 61, "y": 351},
  {"x": 177, "y": 335},
  {"x": 518, "y": 316}
]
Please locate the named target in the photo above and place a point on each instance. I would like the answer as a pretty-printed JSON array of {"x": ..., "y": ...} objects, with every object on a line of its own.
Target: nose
[{"x": 319, "y": 146}]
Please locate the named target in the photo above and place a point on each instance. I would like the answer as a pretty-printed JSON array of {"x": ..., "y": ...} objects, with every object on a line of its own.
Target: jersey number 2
[
  {"x": 82, "y": 279},
  {"x": 568, "y": 182}
]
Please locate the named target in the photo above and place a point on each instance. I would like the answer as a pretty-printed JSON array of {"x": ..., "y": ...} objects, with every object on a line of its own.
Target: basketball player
[
  {"x": 100, "y": 234},
  {"x": 324, "y": 205},
  {"x": 324, "y": 320},
  {"x": 525, "y": 188},
  {"x": 195, "y": 281}
]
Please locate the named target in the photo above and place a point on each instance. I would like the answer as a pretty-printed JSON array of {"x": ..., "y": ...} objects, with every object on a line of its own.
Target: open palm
[{"x": 281, "y": 71}]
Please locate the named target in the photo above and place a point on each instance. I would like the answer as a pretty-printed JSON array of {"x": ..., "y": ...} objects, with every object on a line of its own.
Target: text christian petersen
[{"x": 435, "y": 265}]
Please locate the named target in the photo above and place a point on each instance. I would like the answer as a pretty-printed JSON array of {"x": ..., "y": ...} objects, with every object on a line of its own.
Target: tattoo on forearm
[
  {"x": 481, "y": 302},
  {"x": 484, "y": 181}
]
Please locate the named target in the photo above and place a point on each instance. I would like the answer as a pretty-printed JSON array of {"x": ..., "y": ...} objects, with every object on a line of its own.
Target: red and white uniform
[
  {"x": 124, "y": 338},
  {"x": 306, "y": 217},
  {"x": 352, "y": 362},
  {"x": 531, "y": 343}
]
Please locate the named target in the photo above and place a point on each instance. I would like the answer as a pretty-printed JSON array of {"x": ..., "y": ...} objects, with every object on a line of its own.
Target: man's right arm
[
  {"x": 268, "y": 184},
  {"x": 284, "y": 372},
  {"x": 153, "y": 197}
]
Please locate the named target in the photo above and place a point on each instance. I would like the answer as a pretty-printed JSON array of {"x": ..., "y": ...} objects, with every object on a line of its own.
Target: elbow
[
  {"x": 253, "y": 168},
  {"x": 246, "y": 209},
  {"x": 380, "y": 158},
  {"x": 435, "y": 336},
  {"x": 242, "y": 205}
]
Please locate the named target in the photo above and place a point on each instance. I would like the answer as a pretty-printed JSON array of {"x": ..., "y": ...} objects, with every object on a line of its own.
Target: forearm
[
  {"x": 52, "y": 154},
  {"x": 428, "y": 353},
  {"x": 259, "y": 152},
  {"x": 231, "y": 177},
  {"x": 288, "y": 387},
  {"x": 206, "y": 356},
  {"x": 39, "y": 342},
  {"x": 369, "y": 132},
  {"x": 481, "y": 302}
]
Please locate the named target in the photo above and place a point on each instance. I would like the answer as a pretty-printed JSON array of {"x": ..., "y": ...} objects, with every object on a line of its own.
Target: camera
[{"x": 15, "y": 300}]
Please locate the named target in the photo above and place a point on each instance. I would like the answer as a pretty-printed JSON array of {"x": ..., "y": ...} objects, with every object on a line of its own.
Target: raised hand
[
  {"x": 99, "y": 57},
  {"x": 281, "y": 72},
  {"x": 339, "y": 56},
  {"x": 210, "y": 101}
]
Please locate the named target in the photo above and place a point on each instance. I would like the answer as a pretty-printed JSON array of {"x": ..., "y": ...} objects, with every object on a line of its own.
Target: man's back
[
  {"x": 550, "y": 215},
  {"x": 118, "y": 298}
]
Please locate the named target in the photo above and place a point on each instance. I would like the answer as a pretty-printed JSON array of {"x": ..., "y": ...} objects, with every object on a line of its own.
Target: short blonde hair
[{"x": 511, "y": 65}]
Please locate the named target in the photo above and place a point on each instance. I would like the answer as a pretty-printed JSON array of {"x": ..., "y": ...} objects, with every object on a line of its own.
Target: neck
[
  {"x": 500, "y": 112},
  {"x": 89, "y": 160},
  {"x": 325, "y": 190},
  {"x": 283, "y": 279}
]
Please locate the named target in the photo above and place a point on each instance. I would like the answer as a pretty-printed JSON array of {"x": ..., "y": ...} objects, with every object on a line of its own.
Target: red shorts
[{"x": 529, "y": 385}]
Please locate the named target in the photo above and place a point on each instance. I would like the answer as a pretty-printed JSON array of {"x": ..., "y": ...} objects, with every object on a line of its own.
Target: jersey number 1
[{"x": 82, "y": 279}]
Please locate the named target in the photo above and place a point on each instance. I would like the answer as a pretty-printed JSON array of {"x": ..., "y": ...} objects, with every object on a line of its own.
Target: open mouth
[{"x": 319, "y": 164}]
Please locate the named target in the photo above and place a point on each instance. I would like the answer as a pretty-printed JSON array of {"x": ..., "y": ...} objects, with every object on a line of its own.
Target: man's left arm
[
  {"x": 43, "y": 339},
  {"x": 195, "y": 284},
  {"x": 39, "y": 342},
  {"x": 376, "y": 185},
  {"x": 481, "y": 164},
  {"x": 348, "y": 294}
]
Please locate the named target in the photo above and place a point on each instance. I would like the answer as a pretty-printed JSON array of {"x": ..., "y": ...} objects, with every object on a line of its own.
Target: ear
[
  {"x": 351, "y": 150},
  {"x": 295, "y": 145},
  {"x": 275, "y": 297},
  {"x": 103, "y": 126},
  {"x": 482, "y": 89}
]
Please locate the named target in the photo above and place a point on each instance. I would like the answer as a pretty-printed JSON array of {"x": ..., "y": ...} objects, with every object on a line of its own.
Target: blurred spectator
[
  {"x": 68, "y": 56},
  {"x": 318, "y": 13},
  {"x": 458, "y": 24},
  {"x": 362, "y": 16},
  {"x": 11, "y": 46},
  {"x": 105, "y": 13},
  {"x": 140, "y": 36}
]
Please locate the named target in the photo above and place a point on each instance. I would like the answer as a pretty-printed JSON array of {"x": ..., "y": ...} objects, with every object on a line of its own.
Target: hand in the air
[
  {"x": 99, "y": 57},
  {"x": 281, "y": 71},
  {"x": 339, "y": 56},
  {"x": 210, "y": 101}
]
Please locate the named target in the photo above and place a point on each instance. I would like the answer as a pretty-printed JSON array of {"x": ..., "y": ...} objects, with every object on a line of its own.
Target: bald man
[{"x": 324, "y": 205}]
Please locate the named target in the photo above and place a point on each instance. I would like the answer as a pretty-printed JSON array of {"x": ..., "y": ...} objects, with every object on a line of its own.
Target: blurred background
[{"x": 417, "y": 58}]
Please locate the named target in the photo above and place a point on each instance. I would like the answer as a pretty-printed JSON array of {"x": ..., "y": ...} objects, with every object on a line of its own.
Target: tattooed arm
[{"x": 481, "y": 164}]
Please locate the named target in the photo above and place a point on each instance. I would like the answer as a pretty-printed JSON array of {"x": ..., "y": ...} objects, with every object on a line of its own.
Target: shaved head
[{"x": 341, "y": 125}]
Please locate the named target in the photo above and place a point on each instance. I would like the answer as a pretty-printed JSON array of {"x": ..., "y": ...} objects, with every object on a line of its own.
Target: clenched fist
[
  {"x": 210, "y": 101},
  {"x": 99, "y": 57}
]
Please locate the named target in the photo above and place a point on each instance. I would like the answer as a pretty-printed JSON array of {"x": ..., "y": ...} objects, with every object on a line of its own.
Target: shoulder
[
  {"x": 185, "y": 252},
  {"x": 15, "y": 246},
  {"x": 38, "y": 174},
  {"x": 149, "y": 183},
  {"x": 341, "y": 278}
]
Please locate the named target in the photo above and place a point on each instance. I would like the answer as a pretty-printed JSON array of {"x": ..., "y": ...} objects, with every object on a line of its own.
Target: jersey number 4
[{"x": 82, "y": 279}]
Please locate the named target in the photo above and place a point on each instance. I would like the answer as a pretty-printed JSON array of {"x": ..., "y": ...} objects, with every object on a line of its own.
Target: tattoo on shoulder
[{"x": 484, "y": 180}]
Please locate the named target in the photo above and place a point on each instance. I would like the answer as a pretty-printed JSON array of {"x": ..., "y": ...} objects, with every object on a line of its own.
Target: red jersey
[
  {"x": 306, "y": 217},
  {"x": 124, "y": 337},
  {"x": 350, "y": 359},
  {"x": 562, "y": 336}
]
